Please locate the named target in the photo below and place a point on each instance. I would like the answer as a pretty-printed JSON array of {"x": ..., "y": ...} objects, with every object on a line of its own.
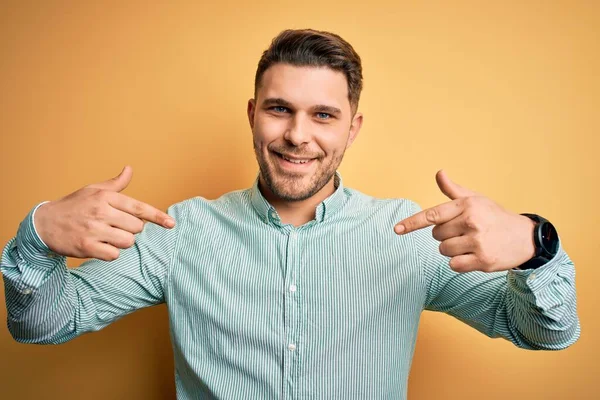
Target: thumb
[
  {"x": 119, "y": 182},
  {"x": 450, "y": 189}
]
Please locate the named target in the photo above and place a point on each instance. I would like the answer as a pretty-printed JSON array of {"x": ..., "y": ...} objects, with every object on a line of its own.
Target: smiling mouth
[{"x": 294, "y": 160}]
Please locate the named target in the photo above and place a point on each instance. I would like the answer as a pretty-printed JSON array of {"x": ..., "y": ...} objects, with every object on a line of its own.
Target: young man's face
[{"x": 302, "y": 123}]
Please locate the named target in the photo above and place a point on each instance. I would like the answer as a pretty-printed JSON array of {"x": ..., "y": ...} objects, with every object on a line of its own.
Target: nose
[{"x": 298, "y": 131}]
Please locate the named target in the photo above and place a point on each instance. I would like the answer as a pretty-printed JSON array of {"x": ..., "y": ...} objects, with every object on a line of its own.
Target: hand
[
  {"x": 96, "y": 221},
  {"x": 477, "y": 233}
]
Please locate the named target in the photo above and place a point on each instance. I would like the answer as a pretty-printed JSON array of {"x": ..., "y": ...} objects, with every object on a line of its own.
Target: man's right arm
[{"x": 50, "y": 303}]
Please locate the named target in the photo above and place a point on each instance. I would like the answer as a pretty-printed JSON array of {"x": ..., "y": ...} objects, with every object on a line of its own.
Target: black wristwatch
[{"x": 546, "y": 241}]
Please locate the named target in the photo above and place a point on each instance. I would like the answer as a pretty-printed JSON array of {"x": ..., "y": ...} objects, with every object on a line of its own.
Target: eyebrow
[{"x": 277, "y": 101}]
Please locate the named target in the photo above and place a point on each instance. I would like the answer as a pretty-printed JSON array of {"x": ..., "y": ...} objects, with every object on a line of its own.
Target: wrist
[
  {"x": 545, "y": 241},
  {"x": 38, "y": 217},
  {"x": 31, "y": 247},
  {"x": 529, "y": 231}
]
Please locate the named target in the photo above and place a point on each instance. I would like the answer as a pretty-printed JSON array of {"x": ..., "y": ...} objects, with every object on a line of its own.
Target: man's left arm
[{"x": 470, "y": 249}]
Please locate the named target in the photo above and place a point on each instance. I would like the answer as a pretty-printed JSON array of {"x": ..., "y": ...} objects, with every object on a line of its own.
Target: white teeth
[{"x": 295, "y": 161}]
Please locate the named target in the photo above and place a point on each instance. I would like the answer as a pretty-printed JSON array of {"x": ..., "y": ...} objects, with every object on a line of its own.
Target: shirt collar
[{"x": 324, "y": 210}]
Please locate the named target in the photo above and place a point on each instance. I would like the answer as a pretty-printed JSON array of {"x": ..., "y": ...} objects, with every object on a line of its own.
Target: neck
[{"x": 299, "y": 212}]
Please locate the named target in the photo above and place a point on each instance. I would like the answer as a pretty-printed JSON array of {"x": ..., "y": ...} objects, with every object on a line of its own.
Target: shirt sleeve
[
  {"x": 49, "y": 303},
  {"x": 534, "y": 309}
]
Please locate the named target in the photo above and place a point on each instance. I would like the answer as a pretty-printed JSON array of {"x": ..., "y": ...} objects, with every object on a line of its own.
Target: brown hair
[{"x": 308, "y": 47}]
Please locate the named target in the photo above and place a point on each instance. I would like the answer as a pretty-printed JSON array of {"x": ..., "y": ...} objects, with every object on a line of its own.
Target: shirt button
[
  {"x": 26, "y": 291},
  {"x": 293, "y": 288},
  {"x": 51, "y": 254},
  {"x": 291, "y": 347},
  {"x": 531, "y": 277}
]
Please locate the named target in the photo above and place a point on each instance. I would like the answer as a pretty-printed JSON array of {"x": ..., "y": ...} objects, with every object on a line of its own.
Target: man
[{"x": 298, "y": 286}]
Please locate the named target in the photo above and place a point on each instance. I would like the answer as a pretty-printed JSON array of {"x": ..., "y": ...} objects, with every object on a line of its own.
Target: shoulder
[{"x": 200, "y": 208}]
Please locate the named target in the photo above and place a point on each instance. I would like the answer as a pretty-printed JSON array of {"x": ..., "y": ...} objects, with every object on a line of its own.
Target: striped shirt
[{"x": 261, "y": 309}]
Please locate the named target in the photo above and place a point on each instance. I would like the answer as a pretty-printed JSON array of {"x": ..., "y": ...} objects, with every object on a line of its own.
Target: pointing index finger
[
  {"x": 142, "y": 210},
  {"x": 432, "y": 216}
]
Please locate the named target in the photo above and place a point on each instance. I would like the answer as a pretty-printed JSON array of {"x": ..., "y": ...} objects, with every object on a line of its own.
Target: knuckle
[
  {"x": 471, "y": 222},
  {"x": 432, "y": 215},
  {"x": 443, "y": 249},
  {"x": 83, "y": 244},
  {"x": 138, "y": 209},
  {"x": 487, "y": 260},
  {"x": 87, "y": 225},
  {"x": 128, "y": 241},
  {"x": 112, "y": 255},
  {"x": 139, "y": 226},
  {"x": 470, "y": 201},
  {"x": 485, "y": 267},
  {"x": 454, "y": 265},
  {"x": 435, "y": 232},
  {"x": 97, "y": 212},
  {"x": 476, "y": 242},
  {"x": 101, "y": 195}
]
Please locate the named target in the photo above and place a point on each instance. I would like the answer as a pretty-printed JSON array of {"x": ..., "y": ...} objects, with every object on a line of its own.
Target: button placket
[{"x": 292, "y": 315}]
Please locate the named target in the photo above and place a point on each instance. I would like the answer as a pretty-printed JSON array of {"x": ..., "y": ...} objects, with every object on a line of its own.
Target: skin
[
  {"x": 474, "y": 231},
  {"x": 96, "y": 220},
  {"x": 287, "y": 118},
  {"x": 301, "y": 113}
]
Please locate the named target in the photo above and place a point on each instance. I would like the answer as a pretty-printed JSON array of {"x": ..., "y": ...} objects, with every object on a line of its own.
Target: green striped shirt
[{"x": 261, "y": 309}]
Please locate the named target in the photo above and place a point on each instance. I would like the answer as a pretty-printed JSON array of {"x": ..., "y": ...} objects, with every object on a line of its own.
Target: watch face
[{"x": 549, "y": 238}]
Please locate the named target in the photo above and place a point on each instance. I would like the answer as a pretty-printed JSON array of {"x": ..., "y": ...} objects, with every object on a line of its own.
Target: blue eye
[
  {"x": 323, "y": 115},
  {"x": 279, "y": 109}
]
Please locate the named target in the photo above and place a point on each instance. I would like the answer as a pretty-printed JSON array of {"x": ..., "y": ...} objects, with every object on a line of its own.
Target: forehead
[{"x": 305, "y": 86}]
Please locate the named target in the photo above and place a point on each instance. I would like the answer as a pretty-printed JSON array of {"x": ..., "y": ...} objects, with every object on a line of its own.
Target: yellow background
[{"x": 505, "y": 97}]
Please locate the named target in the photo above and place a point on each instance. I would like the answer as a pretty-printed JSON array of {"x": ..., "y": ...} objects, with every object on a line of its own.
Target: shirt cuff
[
  {"x": 537, "y": 279},
  {"x": 31, "y": 247}
]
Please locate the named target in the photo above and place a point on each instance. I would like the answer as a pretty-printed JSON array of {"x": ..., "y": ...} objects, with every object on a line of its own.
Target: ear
[
  {"x": 250, "y": 111},
  {"x": 357, "y": 121}
]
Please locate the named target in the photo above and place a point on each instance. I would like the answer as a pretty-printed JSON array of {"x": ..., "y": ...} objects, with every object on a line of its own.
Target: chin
[{"x": 292, "y": 188}]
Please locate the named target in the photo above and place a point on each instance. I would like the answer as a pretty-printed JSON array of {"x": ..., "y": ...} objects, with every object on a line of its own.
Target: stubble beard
[{"x": 289, "y": 187}]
